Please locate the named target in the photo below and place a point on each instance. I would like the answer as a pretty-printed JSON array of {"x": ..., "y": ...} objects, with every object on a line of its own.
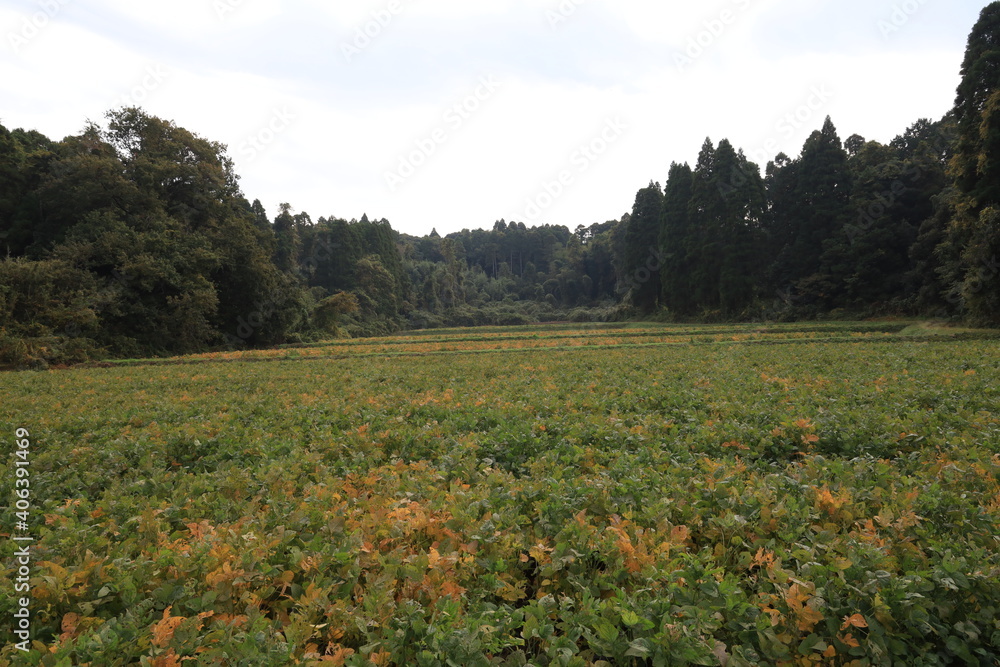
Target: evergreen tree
[
  {"x": 288, "y": 243},
  {"x": 11, "y": 187},
  {"x": 810, "y": 204},
  {"x": 705, "y": 214},
  {"x": 977, "y": 158},
  {"x": 640, "y": 262},
  {"x": 975, "y": 227},
  {"x": 893, "y": 190},
  {"x": 741, "y": 227},
  {"x": 726, "y": 218},
  {"x": 676, "y": 239}
]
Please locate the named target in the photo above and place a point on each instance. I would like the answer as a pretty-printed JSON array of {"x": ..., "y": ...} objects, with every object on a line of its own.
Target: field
[{"x": 818, "y": 494}]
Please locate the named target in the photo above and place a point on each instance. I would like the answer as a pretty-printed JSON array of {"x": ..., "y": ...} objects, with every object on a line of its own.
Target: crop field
[{"x": 811, "y": 494}]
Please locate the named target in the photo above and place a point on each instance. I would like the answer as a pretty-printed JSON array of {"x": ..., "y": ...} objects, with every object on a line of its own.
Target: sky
[{"x": 452, "y": 114}]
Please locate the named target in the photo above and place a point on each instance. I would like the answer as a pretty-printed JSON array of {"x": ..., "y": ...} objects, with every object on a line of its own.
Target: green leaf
[
  {"x": 606, "y": 630},
  {"x": 639, "y": 649},
  {"x": 630, "y": 618},
  {"x": 812, "y": 643}
]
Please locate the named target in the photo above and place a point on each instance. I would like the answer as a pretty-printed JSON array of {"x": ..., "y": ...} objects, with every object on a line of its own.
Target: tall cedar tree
[
  {"x": 745, "y": 203},
  {"x": 810, "y": 204},
  {"x": 726, "y": 221},
  {"x": 675, "y": 240},
  {"x": 975, "y": 227},
  {"x": 641, "y": 264},
  {"x": 705, "y": 211}
]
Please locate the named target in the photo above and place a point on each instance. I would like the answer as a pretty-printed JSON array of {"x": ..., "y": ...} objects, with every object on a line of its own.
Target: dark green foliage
[
  {"x": 893, "y": 192},
  {"x": 152, "y": 216},
  {"x": 712, "y": 225},
  {"x": 975, "y": 162},
  {"x": 810, "y": 203},
  {"x": 675, "y": 239},
  {"x": 974, "y": 233},
  {"x": 49, "y": 312},
  {"x": 640, "y": 264}
]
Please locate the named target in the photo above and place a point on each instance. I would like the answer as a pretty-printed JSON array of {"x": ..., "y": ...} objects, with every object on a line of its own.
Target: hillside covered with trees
[{"x": 135, "y": 239}]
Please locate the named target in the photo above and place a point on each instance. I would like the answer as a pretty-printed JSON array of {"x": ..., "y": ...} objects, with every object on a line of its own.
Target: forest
[{"x": 134, "y": 239}]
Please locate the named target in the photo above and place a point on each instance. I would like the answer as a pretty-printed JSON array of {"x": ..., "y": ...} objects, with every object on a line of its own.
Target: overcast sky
[{"x": 456, "y": 113}]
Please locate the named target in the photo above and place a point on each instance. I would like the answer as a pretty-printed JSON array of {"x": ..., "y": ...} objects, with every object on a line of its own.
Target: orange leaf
[
  {"x": 70, "y": 622},
  {"x": 452, "y": 590},
  {"x": 763, "y": 559},
  {"x": 163, "y": 630},
  {"x": 236, "y": 621},
  {"x": 202, "y": 616},
  {"x": 797, "y": 598},
  {"x": 808, "y": 618},
  {"x": 169, "y": 660},
  {"x": 857, "y": 621}
]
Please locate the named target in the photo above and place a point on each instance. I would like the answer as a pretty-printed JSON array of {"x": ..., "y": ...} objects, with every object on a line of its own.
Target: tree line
[{"x": 135, "y": 239}]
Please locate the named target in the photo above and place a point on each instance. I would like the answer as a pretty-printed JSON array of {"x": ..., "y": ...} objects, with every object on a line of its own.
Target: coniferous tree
[
  {"x": 705, "y": 216},
  {"x": 726, "y": 218},
  {"x": 11, "y": 186},
  {"x": 741, "y": 227},
  {"x": 288, "y": 244},
  {"x": 676, "y": 239},
  {"x": 641, "y": 235},
  {"x": 977, "y": 156},
  {"x": 975, "y": 227},
  {"x": 810, "y": 205}
]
